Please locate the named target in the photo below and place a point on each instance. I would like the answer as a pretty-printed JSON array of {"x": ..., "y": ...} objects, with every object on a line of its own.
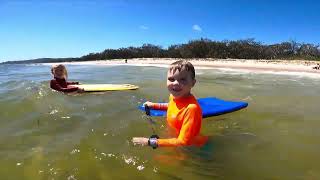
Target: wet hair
[
  {"x": 183, "y": 65},
  {"x": 54, "y": 67}
]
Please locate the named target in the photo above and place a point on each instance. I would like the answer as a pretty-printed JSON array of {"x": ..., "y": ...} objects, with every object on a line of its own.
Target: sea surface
[{"x": 46, "y": 134}]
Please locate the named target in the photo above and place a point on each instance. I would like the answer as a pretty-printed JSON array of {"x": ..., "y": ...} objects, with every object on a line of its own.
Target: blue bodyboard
[{"x": 210, "y": 106}]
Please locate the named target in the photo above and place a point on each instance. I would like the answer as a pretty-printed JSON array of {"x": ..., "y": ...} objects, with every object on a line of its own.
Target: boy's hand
[
  {"x": 148, "y": 103},
  {"x": 142, "y": 141},
  {"x": 80, "y": 90}
]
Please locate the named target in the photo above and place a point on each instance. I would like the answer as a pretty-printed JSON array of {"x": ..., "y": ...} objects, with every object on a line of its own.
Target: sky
[{"x": 32, "y": 29}]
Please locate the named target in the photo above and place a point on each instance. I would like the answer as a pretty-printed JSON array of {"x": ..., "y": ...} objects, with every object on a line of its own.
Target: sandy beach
[{"x": 236, "y": 64}]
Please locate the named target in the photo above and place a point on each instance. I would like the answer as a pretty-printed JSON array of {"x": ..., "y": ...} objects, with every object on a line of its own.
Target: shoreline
[{"x": 295, "y": 66}]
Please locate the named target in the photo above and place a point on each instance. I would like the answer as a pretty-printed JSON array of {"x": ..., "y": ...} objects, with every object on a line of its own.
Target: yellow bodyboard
[{"x": 106, "y": 87}]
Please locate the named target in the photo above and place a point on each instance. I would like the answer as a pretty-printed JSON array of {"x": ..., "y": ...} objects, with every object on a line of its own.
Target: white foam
[
  {"x": 249, "y": 71},
  {"x": 198, "y": 67},
  {"x": 140, "y": 168},
  {"x": 53, "y": 111}
]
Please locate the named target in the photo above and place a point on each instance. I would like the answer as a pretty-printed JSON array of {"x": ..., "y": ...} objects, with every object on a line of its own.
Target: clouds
[
  {"x": 197, "y": 28},
  {"x": 143, "y": 27}
]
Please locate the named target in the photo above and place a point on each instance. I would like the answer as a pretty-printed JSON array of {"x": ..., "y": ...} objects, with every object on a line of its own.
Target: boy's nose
[{"x": 175, "y": 82}]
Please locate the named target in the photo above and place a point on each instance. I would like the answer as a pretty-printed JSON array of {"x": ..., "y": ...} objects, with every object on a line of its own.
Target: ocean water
[{"x": 50, "y": 135}]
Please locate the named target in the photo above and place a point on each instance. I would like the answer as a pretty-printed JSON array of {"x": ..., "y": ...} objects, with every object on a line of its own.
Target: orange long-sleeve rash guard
[{"x": 185, "y": 116}]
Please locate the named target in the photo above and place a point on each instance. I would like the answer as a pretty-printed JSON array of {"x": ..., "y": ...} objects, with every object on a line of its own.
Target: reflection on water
[{"x": 46, "y": 134}]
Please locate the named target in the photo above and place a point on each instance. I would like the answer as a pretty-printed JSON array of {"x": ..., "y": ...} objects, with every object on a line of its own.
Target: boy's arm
[
  {"x": 56, "y": 86},
  {"x": 187, "y": 132},
  {"x": 71, "y": 82},
  {"x": 159, "y": 106}
]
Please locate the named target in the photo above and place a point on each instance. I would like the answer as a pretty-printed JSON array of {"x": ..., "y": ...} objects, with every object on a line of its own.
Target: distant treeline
[
  {"x": 204, "y": 48},
  {"x": 43, "y": 60}
]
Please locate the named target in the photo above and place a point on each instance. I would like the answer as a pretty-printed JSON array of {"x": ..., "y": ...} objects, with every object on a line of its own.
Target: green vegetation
[{"x": 203, "y": 48}]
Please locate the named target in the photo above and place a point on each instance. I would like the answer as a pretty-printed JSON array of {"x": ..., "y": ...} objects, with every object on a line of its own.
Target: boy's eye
[{"x": 171, "y": 79}]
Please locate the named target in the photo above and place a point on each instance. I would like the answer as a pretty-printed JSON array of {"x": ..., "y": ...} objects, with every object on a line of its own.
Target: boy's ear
[{"x": 194, "y": 82}]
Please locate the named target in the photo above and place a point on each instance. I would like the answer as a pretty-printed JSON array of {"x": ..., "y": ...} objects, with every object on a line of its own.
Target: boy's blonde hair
[
  {"x": 58, "y": 66},
  {"x": 183, "y": 65}
]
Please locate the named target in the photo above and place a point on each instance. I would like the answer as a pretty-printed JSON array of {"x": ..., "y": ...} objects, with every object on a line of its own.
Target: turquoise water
[{"x": 50, "y": 135}]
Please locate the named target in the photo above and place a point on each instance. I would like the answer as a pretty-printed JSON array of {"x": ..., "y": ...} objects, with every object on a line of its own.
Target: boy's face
[
  {"x": 180, "y": 83},
  {"x": 59, "y": 73}
]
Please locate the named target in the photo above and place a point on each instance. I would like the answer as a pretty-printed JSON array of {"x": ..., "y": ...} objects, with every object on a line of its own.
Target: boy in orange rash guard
[{"x": 184, "y": 114}]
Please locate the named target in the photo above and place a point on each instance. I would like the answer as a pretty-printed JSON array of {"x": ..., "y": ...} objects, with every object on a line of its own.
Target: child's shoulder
[
  {"x": 193, "y": 106},
  {"x": 53, "y": 80},
  {"x": 193, "y": 110}
]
